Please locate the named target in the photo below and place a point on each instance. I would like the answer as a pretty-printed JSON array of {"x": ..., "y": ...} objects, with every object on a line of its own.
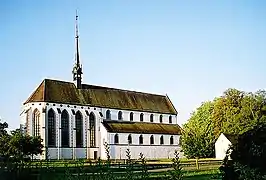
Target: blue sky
[{"x": 191, "y": 50}]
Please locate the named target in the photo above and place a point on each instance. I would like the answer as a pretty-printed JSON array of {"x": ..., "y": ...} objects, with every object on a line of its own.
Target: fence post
[{"x": 197, "y": 163}]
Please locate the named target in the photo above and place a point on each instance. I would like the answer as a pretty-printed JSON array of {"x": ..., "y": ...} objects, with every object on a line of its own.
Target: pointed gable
[
  {"x": 38, "y": 94},
  {"x": 55, "y": 91}
]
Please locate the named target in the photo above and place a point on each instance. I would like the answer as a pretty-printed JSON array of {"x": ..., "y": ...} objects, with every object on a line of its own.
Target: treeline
[{"x": 235, "y": 112}]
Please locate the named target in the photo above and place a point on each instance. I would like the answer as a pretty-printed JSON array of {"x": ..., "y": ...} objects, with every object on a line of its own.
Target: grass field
[{"x": 157, "y": 169}]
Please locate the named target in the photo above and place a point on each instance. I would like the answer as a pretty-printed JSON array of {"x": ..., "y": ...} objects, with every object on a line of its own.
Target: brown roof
[
  {"x": 141, "y": 127},
  {"x": 55, "y": 91},
  {"x": 231, "y": 137}
]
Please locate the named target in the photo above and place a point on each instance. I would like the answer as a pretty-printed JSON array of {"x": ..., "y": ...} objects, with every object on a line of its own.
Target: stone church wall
[
  {"x": 117, "y": 150},
  {"x": 152, "y": 151}
]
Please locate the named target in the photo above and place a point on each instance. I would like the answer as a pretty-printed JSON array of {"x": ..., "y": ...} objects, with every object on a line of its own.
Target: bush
[{"x": 248, "y": 157}]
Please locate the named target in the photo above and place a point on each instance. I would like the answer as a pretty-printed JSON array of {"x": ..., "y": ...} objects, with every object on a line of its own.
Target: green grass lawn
[
  {"x": 208, "y": 169},
  {"x": 202, "y": 175}
]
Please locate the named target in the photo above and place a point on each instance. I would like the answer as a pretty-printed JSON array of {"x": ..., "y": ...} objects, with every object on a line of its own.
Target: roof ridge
[
  {"x": 112, "y": 88},
  {"x": 126, "y": 90},
  {"x": 49, "y": 79}
]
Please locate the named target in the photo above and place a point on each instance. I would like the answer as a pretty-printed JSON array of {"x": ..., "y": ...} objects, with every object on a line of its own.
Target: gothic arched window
[
  {"x": 141, "y": 117},
  {"x": 161, "y": 118},
  {"x": 36, "y": 122},
  {"x": 116, "y": 139},
  {"x": 120, "y": 115},
  {"x": 51, "y": 128},
  {"x": 65, "y": 129},
  {"x": 151, "y": 118},
  {"x": 170, "y": 119},
  {"x": 151, "y": 139},
  {"x": 161, "y": 140},
  {"x": 140, "y": 139},
  {"x": 129, "y": 139},
  {"x": 108, "y": 114},
  {"x": 131, "y": 116},
  {"x": 171, "y": 140},
  {"x": 79, "y": 129},
  {"x": 92, "y": 125},
  {"x": 28, "y": 122}
]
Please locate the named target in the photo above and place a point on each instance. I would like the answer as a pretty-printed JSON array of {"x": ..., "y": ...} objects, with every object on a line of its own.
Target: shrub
[
  {"x": 248, "y": 156},
  {"x": 177, "y": 173}
]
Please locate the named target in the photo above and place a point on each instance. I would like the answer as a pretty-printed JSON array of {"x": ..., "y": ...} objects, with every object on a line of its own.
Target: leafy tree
[
  {"x": 235, "y": 112},
  {"x": 197, "y": 138},
  {"x": 248, "y": 156},
  {"x": 24, "y": 145},
  {"x": 3, "y": 126},
  {"x": 18, "y": 145}
]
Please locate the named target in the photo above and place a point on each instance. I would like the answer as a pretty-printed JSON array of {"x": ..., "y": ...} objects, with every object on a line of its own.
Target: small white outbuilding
[{"x": 222, "y": 144}]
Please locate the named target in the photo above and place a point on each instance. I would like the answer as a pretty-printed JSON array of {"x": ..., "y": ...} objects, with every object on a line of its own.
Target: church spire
[{"x": 77, "y": 69}]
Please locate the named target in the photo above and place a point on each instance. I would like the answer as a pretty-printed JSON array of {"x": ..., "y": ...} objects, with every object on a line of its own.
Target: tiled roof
[
  {"x": 141, "y": 127},
  {"x": 55, "y": 91}
]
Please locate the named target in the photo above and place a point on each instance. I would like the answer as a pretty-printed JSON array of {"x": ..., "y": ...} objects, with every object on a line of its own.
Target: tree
[
  {"x": 18, "y": 145},
  {"x": 197, "y": 138},
  {"x": 3, "y": 127},
  {"x": 24, "y": 145},
  {"x": 248, "y": 156},
  {"x": 235, "y": 112}
]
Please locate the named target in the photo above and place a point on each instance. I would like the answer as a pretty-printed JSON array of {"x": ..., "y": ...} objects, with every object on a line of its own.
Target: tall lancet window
[
  {"x": 92, "y": 130},
  {"x": 51, "y": 128},
  {"x": 36, "y": 122},
  {"x": 108, "y": 114},
  {"x": 65, "y": 129},
  {"x": 79, "y": 130},
  {"x": 28, "y": 122}
]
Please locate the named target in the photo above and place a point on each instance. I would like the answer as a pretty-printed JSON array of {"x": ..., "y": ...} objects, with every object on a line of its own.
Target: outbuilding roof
[
  {"x": 56, "y": 91},
  {"x": 231, "y": 137},
  {"x": 141, "y": 127}
]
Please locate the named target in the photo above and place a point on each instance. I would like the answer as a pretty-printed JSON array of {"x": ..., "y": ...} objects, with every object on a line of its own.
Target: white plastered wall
[{"x": 221, "y": 146}]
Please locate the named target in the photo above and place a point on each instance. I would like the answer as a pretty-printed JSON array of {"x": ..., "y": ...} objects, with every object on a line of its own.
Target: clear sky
[{"x": 191, "y": 50}]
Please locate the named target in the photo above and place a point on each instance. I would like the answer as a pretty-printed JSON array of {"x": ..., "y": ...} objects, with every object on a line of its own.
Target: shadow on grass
[{"x": 202, "y": 177}]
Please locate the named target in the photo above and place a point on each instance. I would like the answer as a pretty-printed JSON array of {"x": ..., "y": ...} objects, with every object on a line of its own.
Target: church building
[{"x": 75, "y": 120}]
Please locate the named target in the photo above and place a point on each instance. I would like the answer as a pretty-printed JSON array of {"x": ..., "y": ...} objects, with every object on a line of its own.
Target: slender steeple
[{"x": 77, "y": 69}]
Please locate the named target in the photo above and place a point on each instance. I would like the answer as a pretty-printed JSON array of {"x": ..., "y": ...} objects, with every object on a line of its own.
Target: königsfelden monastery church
[{"x": 75, "y": 120}]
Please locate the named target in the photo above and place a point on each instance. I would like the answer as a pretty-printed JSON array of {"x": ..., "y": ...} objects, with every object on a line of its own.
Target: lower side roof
[{"x": 141, "y": 127}]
